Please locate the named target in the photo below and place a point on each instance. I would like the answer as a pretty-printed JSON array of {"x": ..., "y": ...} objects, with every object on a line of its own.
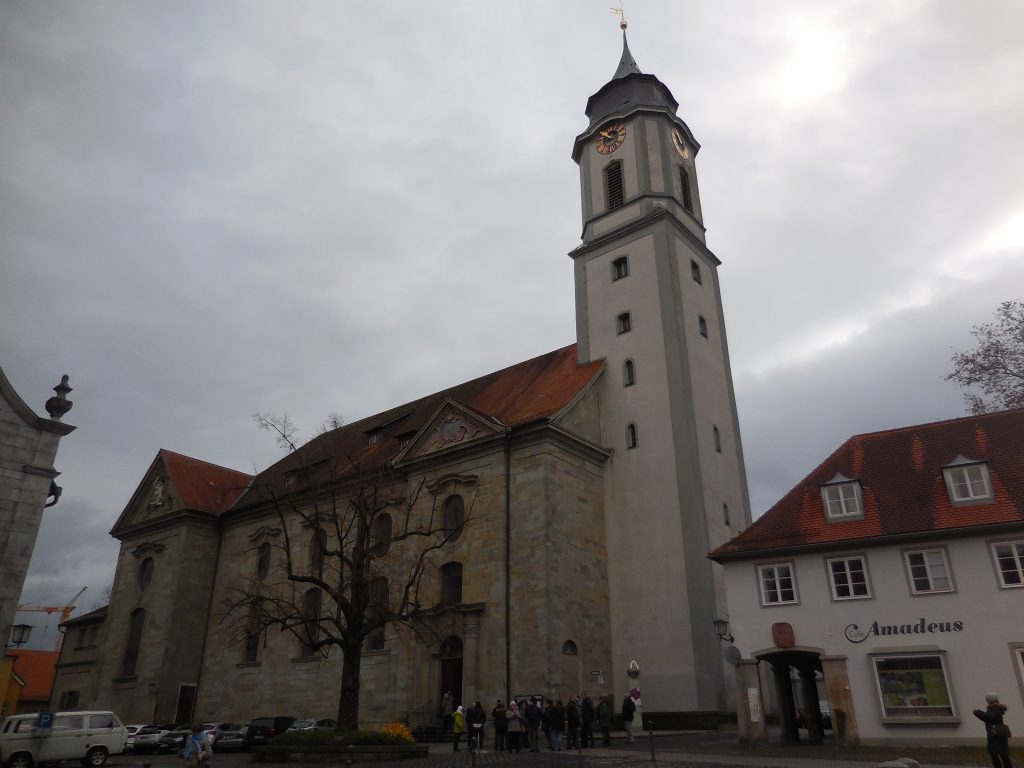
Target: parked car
[
  {"x": 132, "y": 730},
  {"x": 225, "y": 736},
  {"x": 172, "y": 741},
  {"x": 263, "y": 729},
  {"x": 85, "y": 736},
  {"x": 147, "y": 737},
  {"x": 313, "y": 725}
]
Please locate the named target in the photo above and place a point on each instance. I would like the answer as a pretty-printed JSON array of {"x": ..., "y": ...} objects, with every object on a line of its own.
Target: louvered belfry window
[
  {"x": 684, "y": 182},
  {"x": 613, "y": 185}
]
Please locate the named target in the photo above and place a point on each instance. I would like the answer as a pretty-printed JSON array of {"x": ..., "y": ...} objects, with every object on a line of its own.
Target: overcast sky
[{"x": 212, "y": 209}]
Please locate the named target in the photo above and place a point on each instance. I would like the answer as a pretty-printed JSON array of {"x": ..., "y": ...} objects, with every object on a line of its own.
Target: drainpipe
[{"x": 508, "y": 564}]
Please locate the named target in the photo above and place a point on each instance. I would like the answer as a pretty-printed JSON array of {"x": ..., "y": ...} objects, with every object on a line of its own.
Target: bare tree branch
[{"x": 996, "y": 364}]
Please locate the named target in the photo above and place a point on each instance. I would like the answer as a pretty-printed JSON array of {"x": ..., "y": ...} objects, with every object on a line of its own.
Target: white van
[{"x": 85, "y": 736}]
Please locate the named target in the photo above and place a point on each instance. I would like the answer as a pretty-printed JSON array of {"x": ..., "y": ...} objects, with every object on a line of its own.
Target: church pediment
[
  {"x": 156, "y": 496},
  {"x": 452, "y": 425}
]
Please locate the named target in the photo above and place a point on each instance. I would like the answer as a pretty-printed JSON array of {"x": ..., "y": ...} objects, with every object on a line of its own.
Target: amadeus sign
[{"x": 857, "y": 635}]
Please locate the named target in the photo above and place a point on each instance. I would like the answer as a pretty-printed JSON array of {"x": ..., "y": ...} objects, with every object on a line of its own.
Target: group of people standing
[{"x": 518, "y": 724}]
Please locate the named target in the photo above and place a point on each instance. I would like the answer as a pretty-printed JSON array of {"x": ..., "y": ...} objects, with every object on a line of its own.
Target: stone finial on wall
[{"x": 59, "y": 405}]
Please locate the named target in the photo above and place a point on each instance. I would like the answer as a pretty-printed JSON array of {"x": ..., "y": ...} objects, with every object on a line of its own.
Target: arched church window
[
  {"x": 631, "y": 436},
  {"x": 614, "y": 195},
  {"x": 451, "y": 583},
  {"x": 454, "y": 516},
  {"x": 131, "y": 651},
  {"x": 252, "y": 632},
  {"x": 379, "y": 606},
  {"x": 569, "y": 648},
  {"x": 380, "y": 533},
  {"x": 263, "y": 561},
  {"x": 684, "y": 182},
  {"x": 310, "y": 621},
  {"x": 317, "y": 546},
  {"x": 145, "y": 573},
  {"x": 628, "y": 373}
]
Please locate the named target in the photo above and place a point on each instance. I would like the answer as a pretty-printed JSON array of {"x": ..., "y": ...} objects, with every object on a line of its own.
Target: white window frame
[
  {"x": 846, "y": 506},
  {"x": 620, "y": 268},
  {"x": 623, "y": 323},
  {"x": 1017, "y": 554},
  {"x": 968, "y": 483},
  {"x": 887, "y": 705},
  {"x": 846, "y": 560},
  {"x": 775, "y": 569},
  {"x": 907, "y": 554}
]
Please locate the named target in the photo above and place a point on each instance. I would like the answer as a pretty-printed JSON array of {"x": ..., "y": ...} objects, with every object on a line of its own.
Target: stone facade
[
  {"x": 78, "y": 676},
  {"x": 28, "y": 448}
]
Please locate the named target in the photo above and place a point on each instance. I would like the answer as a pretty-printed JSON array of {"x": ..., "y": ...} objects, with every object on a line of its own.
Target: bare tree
[
  {"x": 355, "y": 543},
  {"x": 996, "y": 365}
]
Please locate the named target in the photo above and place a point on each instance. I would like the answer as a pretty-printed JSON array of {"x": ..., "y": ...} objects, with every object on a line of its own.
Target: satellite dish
[{"x": 733, "y": 655}]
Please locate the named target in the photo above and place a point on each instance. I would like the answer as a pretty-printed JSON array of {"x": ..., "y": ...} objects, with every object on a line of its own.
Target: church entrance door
[{"x": 451, "y": 669}]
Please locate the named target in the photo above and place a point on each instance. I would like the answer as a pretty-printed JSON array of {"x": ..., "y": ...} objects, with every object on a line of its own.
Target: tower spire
[{"x": 627, "y": 65}]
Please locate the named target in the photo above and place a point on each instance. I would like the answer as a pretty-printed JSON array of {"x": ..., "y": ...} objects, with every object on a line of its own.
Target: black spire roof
[{"x": 628, "y": 89}]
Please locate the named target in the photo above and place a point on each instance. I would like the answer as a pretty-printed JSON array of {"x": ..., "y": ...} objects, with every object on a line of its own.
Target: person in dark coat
[
  {"x": 556, "y": 721},
  {"x": 996, "y": 731},
  {"x": 475, "y": 719},
  {"x": 587, "y": 715},
  {"x": 534, "y": 718},
  {"x": 500, "y": 726},
  {"x": 572, "y": 723}
]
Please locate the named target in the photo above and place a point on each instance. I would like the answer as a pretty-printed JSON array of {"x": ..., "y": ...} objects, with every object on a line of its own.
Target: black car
[
  {"x": 173, "y": 741},
  {"x": 263, "y": 729}
]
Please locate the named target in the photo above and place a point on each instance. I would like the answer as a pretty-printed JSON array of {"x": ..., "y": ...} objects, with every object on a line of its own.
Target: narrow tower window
[
  {"x": 695, "y": 271},
  {"x": 628, "y": 374},
  {"x": 703, "y": 325},
  {"x": 620, "y": 268},
  {"x": 631, "y": 438},
  {"x": 623, "y": 323},
  {"x": 613, "y": 185},
  {"x": 725, "y": 513},
  {"x": 718, "y": 439},
  {"x": 684, "y": 181}
]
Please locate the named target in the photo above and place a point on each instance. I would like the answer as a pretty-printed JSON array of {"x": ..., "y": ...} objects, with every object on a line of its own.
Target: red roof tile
[
  {"x": 900, "y": 471},
  {"x": 37, "y": 669},
  {"x": 204, "y": 486},
  {"x": 528, "y": 391}
]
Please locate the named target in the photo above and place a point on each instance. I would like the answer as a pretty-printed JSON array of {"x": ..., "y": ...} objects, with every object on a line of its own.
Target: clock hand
[{"x": 606, "y": 134}]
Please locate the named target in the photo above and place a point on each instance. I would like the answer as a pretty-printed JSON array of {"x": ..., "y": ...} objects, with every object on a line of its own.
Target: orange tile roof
[
  {"x": 37, "y": 669},
  {"x": 522, "y": 393},
  {"x": 204, "y": 486},
  {"x": 904, "y": 492}
]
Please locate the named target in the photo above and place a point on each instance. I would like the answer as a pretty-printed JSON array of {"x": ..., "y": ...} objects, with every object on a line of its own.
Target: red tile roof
[
  {"x": 204, "y": 486},
  {"x": 37, "y": 669},
  {"x": 904, "y": 493},
  {"x": 522, "y": 393}
]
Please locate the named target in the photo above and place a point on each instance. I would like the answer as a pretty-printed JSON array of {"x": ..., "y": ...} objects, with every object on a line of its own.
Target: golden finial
[{"x": 621, "y": 14}]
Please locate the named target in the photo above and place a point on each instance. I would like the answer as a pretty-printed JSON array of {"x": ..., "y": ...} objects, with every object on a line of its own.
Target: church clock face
[
  {"x": 610, "y": 138},
  {"x": 680, "y": 145}
]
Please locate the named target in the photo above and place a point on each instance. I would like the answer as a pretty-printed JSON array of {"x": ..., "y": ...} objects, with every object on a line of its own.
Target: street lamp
[
  {"x": 722, "y": 630},
  {"x": 19, "y": 634}
]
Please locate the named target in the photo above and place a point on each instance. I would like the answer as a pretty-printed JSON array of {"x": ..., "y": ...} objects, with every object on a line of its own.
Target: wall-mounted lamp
[
  {"x": 722, "y": 630},
  {"x": 19, "y": 634}
]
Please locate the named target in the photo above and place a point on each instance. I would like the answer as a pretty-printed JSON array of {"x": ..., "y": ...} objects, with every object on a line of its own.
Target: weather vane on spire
[{"x": 621, "y": 14}]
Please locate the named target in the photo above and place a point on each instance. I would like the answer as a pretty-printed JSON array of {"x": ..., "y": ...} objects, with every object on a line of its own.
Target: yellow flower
[{"x": 399, "y": 730}]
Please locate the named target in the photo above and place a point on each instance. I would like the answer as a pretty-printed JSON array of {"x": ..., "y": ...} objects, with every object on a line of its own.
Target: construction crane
[{"x": 63, "y": 610}]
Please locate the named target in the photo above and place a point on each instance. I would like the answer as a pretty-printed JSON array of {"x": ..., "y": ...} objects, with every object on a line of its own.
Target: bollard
[{"x": 650, "y": 736}]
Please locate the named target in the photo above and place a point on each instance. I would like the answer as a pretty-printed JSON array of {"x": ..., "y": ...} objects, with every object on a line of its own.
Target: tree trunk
[{"x": 348, "y": 702}]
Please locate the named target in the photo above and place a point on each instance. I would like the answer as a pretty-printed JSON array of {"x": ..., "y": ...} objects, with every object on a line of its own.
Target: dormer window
[
  {"x": 404, "y": 439},
  {"x": 842, "y": 498},
  {"x": 967, "y": 481},
  {"x": 372, "y": 438}
]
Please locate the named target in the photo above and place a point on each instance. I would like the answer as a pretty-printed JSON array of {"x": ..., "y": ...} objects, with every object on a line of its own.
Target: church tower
[{"x": 648, "y": 302}]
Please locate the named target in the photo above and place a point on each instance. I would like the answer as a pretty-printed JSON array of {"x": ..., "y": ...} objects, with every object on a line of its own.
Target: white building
[{"x": 894, "y": 572}]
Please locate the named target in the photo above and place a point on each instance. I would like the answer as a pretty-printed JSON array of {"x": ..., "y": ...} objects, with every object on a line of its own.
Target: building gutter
[{"x": 508, "y": 564}]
